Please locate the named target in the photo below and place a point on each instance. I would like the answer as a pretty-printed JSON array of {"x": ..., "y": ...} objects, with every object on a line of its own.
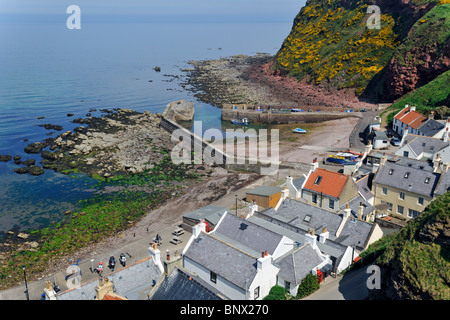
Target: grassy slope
[
  {"x": 330, "y": 44},
  {"x": 423, "y": 267}
]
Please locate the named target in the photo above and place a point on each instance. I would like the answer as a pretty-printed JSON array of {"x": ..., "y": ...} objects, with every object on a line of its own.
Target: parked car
[{"x": 395, "y": 142}]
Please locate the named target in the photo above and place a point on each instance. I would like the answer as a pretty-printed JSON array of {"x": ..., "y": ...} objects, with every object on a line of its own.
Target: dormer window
[
  {"x": 406, "y": 175},
  {"x": 318, "y": 179},
  {"x": 391, "y": 171},
  {"x": 427, "y": 180}
]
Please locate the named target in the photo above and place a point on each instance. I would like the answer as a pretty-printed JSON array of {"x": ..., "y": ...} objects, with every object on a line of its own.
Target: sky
[{"x": 263, "y": 10}]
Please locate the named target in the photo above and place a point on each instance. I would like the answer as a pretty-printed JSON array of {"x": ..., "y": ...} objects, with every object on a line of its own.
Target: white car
[{"x": 395, "y": 142}]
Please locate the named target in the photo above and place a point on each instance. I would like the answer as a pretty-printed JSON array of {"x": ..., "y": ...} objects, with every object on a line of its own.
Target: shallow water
[{"x": 50, "y": 71}]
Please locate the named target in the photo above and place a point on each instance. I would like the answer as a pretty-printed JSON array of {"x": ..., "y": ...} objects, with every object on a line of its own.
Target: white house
[
  {"x": 422, "y": 147},
  {"x": 238, "y": 257}
]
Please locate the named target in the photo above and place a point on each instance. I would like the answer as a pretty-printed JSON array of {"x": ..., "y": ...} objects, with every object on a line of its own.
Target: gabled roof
[
  {"x": 296, "y": 264},
  {"x": 326, "y": 182},
  {"x": 431, "y": 127},
  {"x": 406, "y": 175},
  {"x": 302, "y": 216},
  {"x": 363, "y": 187},
  {"x": 243, "y": 233},
  {"x": 232, "y": 264},
  {"x": 424, "y": 144},
  {"x": 180, "y": 285},
  {"x": 413, "y": 118},
  {"x": 265, "y": 191},
  {"x": 444, "y": 184},
  {"x": 210, "y": 212}
]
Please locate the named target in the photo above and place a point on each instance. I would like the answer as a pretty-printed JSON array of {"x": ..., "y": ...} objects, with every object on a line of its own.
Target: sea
[{"x": 48, "y": 70}]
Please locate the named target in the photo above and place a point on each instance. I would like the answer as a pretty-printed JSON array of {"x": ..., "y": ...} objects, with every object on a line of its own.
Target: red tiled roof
[
  {"x": 413, "y": 118},
  {"x": 331, "y": 183}
]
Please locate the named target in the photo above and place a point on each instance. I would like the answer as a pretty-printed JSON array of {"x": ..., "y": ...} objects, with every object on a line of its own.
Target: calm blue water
[{"x": 48, "y": 70}]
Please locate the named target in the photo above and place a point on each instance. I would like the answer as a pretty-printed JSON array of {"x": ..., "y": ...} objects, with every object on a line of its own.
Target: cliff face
[
  {"x": 416, "y": 261},
  {"x": 331, "y": 46}
]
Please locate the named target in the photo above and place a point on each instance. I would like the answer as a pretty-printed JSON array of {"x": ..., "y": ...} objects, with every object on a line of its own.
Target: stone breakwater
[{"x": 121, "y": 142}]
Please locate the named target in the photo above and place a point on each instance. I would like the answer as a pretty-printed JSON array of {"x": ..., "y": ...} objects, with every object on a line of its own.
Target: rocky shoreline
[
  {"x": 245, "y": 79},
  {"x": 121, "y": 142}
]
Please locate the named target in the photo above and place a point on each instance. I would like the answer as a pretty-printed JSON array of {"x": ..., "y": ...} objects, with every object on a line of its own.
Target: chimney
[
  {"x": 412, "y": 108},
  {"x": 50, "y": 294},
  {"x": 383, "y": 159},
  {"x": 360, "y": 211},
  {"x": 263, "y": 261},
  {"x": 252, "y": 209},
  {"x": 103, "y": 288},
  {"x": 346, "y": 214},
  {"x": 324, "y": 235},
  {"x": 445, "y": 167},
  {"x": 314, "y": 165},
  {"x": 437, "y": 163},
  {"x": 284, "y": 193},
  {"x": 368, "y": 148},
  {"x": 311, "y": 238},
  {"x": 431, "y": 115},
  {"x": 155, "y": 254},
  {"x": 406, "y": 132},
  {"x": 198, "y": 228}
]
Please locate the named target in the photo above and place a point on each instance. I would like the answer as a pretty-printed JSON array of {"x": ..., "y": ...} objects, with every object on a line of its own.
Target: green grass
[
  {"x": 103, "y": 215},
  {"x": 423, "y": 266}
]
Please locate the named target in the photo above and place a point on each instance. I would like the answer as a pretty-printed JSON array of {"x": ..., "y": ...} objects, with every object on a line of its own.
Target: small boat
[
  {"x": 299, "y": 130},
  {"x": 243, "y": 121}
]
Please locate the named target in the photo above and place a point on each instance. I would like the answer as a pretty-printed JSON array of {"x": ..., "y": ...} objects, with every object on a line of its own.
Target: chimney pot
[{"x": 262, "y": 254}]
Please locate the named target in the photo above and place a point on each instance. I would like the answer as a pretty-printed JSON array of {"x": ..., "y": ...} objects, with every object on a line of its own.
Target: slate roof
[
  {"x": 294, "y": 212},
  {"x": 363, "y": 187},
  {"x": 210, "y": 212},
  {"x": 265, "y": 191},
  {"x": 331, "y": 183},
  {"x": 380, "y": 135},
  {"x": 244, "y": 233},
  {"x": 180, "y": 285},
  {"x": 354, "y": 206},
  {"x": 444, "y": 185},
  {"x": 422, "y": 144},
  {"x": 298, "y": 263},
  {"x": 413, "y": 119},
  {"x": 299, "y": 182},
  {"x": 406, "y": 177},
  {"x": 212, "y": 253},
  {"x": 133, "y": 282},
  {"x": 431, "y": 127}
]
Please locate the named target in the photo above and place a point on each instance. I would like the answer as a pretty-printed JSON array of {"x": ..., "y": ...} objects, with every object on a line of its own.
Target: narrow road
[
  {"x": 358, "y": 136},
  {"x": 350, "y": 286}
]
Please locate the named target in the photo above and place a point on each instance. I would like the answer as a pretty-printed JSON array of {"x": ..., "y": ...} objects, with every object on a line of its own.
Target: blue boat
[
  {"x": 299, "y": 130},
  {"x": 243, "y": 121}
]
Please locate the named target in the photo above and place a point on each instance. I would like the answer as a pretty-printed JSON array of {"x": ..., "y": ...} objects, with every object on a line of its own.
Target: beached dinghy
[{"x": 299, "y": 130}]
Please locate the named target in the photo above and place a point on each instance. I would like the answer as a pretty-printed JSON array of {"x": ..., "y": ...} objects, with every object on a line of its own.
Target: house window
[
  {"x": 331, "y": 204},
  {"x": 405, "y": 154},
  {"x": 400, "y": 209},
  {"x": 384, "y": 191},
  {"x": 256, "y": 292},
  {"x": 427, "y": 180},
  {"x": 406, "y": 175},
  {"x": 420, "y": 201},
  {"x": 318, "y": 179},
  {"x": 391, "y": 171},
  {"x": 413, "y": 213},
  {"x": 307, "y": 218},
  {"x": 213, "y": 277},
  {"x": 314, "y": 198},
  {"x": 402, "y": 195},
  {"x": 287, "y": 286}
]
